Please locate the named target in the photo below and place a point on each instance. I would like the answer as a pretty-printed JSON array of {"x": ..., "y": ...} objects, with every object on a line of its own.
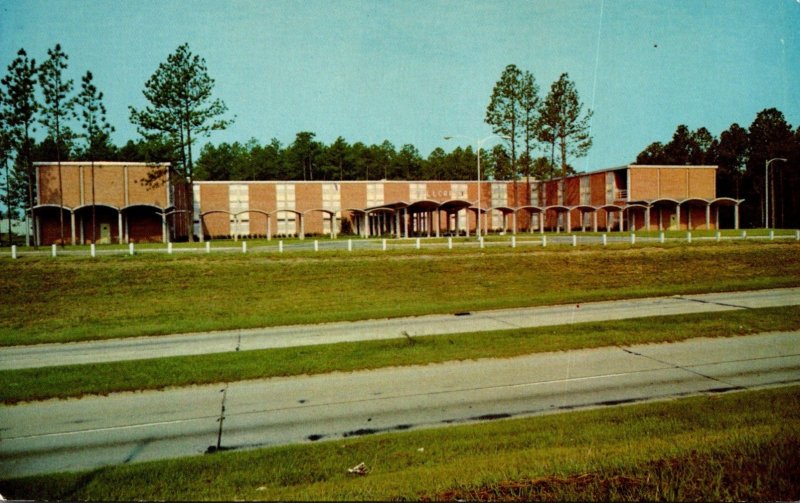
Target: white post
[
  {"x": 383, "y": 244},
  {"x": 688, "y": 236},
  {"x": 449, "y": 243},
  {"x": 92, "y": 250},
  {"x": 53, "y": 251},
  {"x": 280, "y": 246},
  {"x": 14, "y": 252},
  {"x": 797, "y": 235},
  {"x": 574, "y": 240},
  {"x": 633, "y": 238},
  {"x": 208, "y": 246},
  {"x": 418, "y": 244},
  {"x": 661, "y": 237},
  {"x": 316, "y": 245},
  {"x": 771, "y": 234},
  {"x": 130, "y": 249},
  {"x": 544, "y": 240},
  {"x": 719, "y": 236},
  {"x": 513, "y": 241},
  {"x": 744, "y": 234},
  {"x": 244, "y": 246},
  {"x": 169, "y": 247},
  {"x": 480, "y": 240},
  {"x": 605, "y": 239}
]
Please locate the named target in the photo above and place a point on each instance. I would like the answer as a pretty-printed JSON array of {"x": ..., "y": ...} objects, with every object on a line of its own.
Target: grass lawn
[
  {"x": 69, "y": 299},
  {"x": 736, "y": 446},
  {"x": 103, "y": 378}
]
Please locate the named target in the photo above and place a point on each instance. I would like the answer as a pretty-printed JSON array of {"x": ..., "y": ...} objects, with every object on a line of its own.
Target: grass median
[
  {"x": 732, "y": 447},
  {"x": 103, "y": 378},
  {"x": 70, "y": 299}
]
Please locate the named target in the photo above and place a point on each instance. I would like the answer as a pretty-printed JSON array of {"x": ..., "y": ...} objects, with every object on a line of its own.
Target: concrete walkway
[{"x": 44, "y": 355}]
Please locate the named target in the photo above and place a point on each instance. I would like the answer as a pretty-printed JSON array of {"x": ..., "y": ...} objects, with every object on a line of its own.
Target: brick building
[{"x": 127, "y": 209}]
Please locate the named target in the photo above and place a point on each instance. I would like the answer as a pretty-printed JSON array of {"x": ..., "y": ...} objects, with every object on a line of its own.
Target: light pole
[
  {"x": 766, "y": 189},
  {"x": 479, "y": 144}
]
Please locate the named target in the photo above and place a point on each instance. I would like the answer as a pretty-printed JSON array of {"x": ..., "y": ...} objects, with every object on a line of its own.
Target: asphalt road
[
  {"x": 66, "y": 435},
  {"x": 301, "y": 335}
]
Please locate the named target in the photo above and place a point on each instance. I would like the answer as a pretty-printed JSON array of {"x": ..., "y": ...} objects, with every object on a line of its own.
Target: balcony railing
[{"x": 621, "y": 195}]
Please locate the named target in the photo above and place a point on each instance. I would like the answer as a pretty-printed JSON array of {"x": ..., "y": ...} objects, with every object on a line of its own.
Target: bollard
[
  {"x": 771, "y": 235},
  {"x": 688, "y": 236},
  {"x": 383, "y": 244},
  {"x": 53, "y": 251},
  {"x": 280, "y": 246},
  {"x": 480, "y": 240},
  {"x": 449, "y": 243},
  {"x": 744, "y": 234},
  {"x": 349, "y": 245},
  {"x": 14, "y": 252},
  {"x": 574, "y": 240},
  {"x": 316, "y": 245},
  {"x": 130, "y": 249},
  {"x": 661, "y": 237},
  {"x": 605, "y": 240},
  {"x": 169, "y": 248},
  {"x": 513, "y": 241},
  {"x": 418, "y": 244},
  {"x": 208, "y": 246},
  {"x": 544, "y": 240},
  {"x": 92, "y": 250},
  {"x": 244, "y": 246},
  {"x": 719, "y": 236},
  {"x": 797, "y": 235},
  {"x": 633, "y": 238}
]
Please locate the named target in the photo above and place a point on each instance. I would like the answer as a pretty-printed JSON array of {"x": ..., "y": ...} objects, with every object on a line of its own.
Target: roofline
[{"x": 98, "y": 163}]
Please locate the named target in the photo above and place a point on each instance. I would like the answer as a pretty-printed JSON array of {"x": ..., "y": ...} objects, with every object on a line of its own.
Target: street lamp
[
  {"x": 479, "y": 143},
  {"x": 766, "y": 189}
]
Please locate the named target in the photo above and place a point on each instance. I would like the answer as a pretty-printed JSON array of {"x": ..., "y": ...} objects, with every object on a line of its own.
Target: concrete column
[
  {"x": 397, "y": 224},
  {"x": 438, "y": 216},
  {"x": 594, "y": 221},
  {"x": 541, "y": 222},
  {"x": 72, "y": 226},
  {"x": 678, "y": 216},
  {"x": 736, "y": 216},
  {"x": 514, "y": 222},
  {"x": 119, "y": 227},
  {"x": 708, "y": 216},
  {"x": 164, "y": 233},
  {"x": 647, "y": 219},
  {"x": 302, "y": 226},
  {"x": 269, "y": 227}
]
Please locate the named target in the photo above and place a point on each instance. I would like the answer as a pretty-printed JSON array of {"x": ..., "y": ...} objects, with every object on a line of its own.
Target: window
[
  {"x": 284, "y": 200},
  {"x": 585, "y": 190},
  {"x": 536, "y": 199},
  {"x": 499, "y": 198},
  {"x": 374, "y": 194},
  {"x": 196, "y": 209},
  {"x": 239, "y": 206},
  {"x": 331, "y": 200}
]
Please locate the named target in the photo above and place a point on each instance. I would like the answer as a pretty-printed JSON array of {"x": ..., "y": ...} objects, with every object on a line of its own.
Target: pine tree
[
  {"x": 181, "y": 109},
  {"x": 96, "y": 130}
]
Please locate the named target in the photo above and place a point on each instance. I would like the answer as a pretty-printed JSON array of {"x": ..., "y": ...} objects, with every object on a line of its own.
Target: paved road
[
  {"x": 301, "y": 335},
  {"x": 131, "y": 427}
]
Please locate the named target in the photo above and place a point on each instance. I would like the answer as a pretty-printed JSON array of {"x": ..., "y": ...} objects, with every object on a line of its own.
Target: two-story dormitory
[{"x": 125, "y": 209}]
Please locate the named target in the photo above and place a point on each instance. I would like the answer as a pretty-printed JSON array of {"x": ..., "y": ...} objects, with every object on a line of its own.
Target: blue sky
[{"x": 416, "y": 71}]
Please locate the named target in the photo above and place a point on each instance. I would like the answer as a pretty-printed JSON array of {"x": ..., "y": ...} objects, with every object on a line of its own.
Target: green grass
[
  {"x": 70, "y": 299},
  {"x": 103, "y": 378},
  {"x": 737, "y": 446}
]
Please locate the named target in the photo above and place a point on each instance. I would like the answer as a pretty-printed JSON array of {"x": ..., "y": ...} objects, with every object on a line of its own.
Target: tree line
[{"x": 741, "y": 155}]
